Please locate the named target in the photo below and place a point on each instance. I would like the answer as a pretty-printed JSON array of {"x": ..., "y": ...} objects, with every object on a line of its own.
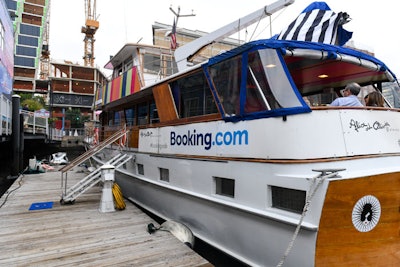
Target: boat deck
[{"x": 79, "y": 234}]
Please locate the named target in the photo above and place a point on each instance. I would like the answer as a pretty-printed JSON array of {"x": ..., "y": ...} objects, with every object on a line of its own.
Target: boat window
[
  {"x": 226, "y": 77},
  {"x": 255, "y": 82},
  {"x": 110, "y": 117},
  {"x": 140, "y": 169},
  {"x": 258, "y": 93},
  {"x": 153, "y": 113},
  {"x": 151, "y": 63},
  {"x": 288, "y": 199},
  {"x": 130, "y": 117},
  {"x": 271, "y": 70},
  {"x": 224, "y": 186},
  {"x": 192, "y": 96},
  {"x": 391, "y": 92},
  {"x": 321, "y": 98},
  {"x": 142, "y": 113},
  {"x": 128, "y": 64},
  {"x": 164, "y": 174},
  {"x": 119, "y": 117}
]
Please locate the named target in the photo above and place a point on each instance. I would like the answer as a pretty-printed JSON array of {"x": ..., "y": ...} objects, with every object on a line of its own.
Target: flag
[
  {"x": 318, "y": 23},
  {"x": 173, "y": 36}
]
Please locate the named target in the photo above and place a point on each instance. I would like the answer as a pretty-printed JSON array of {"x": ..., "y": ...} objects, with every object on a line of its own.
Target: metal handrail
[{"x": 95, "y": 149}]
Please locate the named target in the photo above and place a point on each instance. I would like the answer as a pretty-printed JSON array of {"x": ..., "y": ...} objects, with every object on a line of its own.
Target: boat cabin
[{"x": 261, "y": 79}]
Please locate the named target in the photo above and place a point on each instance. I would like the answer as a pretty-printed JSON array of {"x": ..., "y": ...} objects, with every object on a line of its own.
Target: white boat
[{"x": 231, "y": 149}]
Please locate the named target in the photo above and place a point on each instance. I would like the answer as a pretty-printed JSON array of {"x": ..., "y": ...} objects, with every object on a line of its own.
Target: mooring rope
[{"x": 305, "y": 209}]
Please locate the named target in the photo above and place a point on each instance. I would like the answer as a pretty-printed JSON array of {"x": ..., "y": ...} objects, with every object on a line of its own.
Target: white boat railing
[{"x": 5, "y": 115}]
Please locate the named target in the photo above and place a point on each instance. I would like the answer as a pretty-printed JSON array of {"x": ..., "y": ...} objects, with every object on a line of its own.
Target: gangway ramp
[
  {"x": 85, "y": 156},
  {"x": 95, "y": 149},
  {"x": 92, "y": 179}
]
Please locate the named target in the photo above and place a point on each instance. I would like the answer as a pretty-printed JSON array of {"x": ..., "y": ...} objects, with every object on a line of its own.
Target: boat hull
[{"x": 259, "y": 235}]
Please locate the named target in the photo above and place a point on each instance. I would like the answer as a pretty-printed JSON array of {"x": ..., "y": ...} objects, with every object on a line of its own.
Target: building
[
  {"x": 6, "y": 71},
  {"x": 29, "y": 20},
  {"x": 65, "y": 84},
  {"x": 73, "y": 86}
]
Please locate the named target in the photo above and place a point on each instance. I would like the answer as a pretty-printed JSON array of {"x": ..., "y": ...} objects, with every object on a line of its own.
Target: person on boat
[
  {"x": 374, "y": 99},
  {"x": 350, "y": 98}
]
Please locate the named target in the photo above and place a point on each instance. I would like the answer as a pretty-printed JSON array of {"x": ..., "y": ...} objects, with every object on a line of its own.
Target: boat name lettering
[
  {"x": 367, "y": 126},
  {"x": 146, "y": 134},
  {"x": 207, "y": 140}
]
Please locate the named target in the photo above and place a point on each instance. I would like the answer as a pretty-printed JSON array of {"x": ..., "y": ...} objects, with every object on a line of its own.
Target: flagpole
[
  {"x": 178, "y": 14},
  {"x": 175, "y": 24}
]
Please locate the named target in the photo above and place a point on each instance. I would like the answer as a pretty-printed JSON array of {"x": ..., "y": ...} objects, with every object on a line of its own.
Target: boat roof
[
  {"x": 304, "y": 60},
  {"x": 130, "y": 48}
]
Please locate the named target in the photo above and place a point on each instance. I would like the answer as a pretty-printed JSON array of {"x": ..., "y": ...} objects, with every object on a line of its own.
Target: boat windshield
[
  {"x": 254, "y": 82},
  {"x": 391, "y": 93}
]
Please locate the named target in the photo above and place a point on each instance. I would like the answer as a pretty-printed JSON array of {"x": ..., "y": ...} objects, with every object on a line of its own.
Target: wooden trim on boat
[
  {"x": 276, "y": 161},
  {"x": 165, "y": 103},
  {"x": 339, "y": 243}
]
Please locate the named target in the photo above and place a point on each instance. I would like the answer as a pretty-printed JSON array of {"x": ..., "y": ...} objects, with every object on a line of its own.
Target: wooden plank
[
  {"x": 79, "y": 234},
  {"x": 165, "y": 103}
]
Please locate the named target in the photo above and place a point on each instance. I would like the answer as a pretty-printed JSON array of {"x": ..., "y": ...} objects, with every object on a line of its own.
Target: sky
[{"x": 129, "y": 21}]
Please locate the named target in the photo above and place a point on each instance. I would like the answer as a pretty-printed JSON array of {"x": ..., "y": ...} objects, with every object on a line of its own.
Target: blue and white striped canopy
[{"x": 318, "y": 23}]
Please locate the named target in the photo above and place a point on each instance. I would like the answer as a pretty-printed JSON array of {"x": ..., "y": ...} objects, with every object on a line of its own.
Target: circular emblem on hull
[{"x": 366, "y": 213}]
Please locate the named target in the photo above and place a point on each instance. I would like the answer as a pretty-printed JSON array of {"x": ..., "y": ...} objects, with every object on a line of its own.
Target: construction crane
[
  {"x": 90, "y": 28},
  {"x": 45, "y": 54}
]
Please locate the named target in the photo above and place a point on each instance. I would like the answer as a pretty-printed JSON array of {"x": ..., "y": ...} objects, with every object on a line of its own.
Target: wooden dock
[{"x": 79, "y": 234}]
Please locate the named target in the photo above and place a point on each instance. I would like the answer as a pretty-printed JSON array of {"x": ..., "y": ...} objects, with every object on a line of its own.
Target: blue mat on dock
[{"x": 41, "y": 206}]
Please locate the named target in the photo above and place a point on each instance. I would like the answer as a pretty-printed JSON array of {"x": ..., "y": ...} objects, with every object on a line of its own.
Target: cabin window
[
  {"x": 258, "y": 91},
  {"x": 142, "y": 113},
  {"x": 391, "y": 92},
  {"x": 119, "y": 118},
  {"x": 151, "y": 63},
  {"x": 110, "y": 117},
  {"x": 224, "y": 187},
  {"x": 279, "y": 83},
  {"x": 164, "y": 174},
  {"x": 117, "y": 71},
  {"x": 140, "y": 169},
  {"x": 226, "y": 77},
  {"x": 128, "y": 64},
  {"x": 153, "y": 113},
  {"x": 266, "y": 86},
  {"x": 192, "y": 96},
  {"x": 288, "y": 199},
  {"x": 130, "y": 116},
  {"x": 321, "y": 98}
]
